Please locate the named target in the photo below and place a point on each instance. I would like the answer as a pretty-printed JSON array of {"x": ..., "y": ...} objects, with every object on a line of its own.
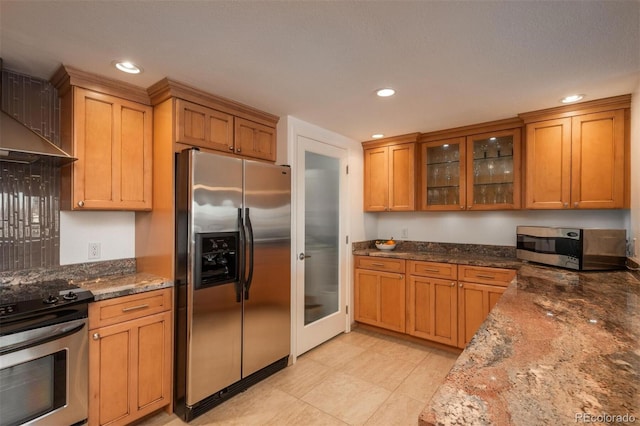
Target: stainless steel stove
[{"x": 44, "y": 353}]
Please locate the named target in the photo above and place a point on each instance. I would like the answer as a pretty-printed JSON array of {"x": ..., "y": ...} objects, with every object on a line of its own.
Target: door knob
[{"x": 303, "y": 256}]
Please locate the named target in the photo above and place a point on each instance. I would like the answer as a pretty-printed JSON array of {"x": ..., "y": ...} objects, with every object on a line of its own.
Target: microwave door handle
[
  {"x": 250, "y": 243},
  {"x": 239, "y": 283}
]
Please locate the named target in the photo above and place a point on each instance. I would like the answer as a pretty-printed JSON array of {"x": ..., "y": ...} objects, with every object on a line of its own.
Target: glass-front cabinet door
[
  {"x": 443, "y": 175},
  {"x": 493, "y": 170}
]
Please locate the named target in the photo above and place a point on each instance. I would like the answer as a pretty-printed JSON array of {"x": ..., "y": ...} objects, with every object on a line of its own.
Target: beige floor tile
[
  {"x": 379, "y": 369},
  {"x": 335, "y": 354},
  {"x": 361, "y": 338},
  {"x": 427, "y": 376},
  {"x": 402, "y": 350},
  {"x": 301, "y": 413},
  {"x": 299, "y": 378},
  {"x": 348, "y": 398},
  {"x": 397, "y": 410},
  {"x": 256, "y": 406}
]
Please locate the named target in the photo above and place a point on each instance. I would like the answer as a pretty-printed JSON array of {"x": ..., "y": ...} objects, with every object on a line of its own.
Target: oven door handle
[{"x": 63, "y": 332}]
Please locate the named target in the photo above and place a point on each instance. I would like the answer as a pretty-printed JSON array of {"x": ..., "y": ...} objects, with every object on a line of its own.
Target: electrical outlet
[
  {"x": 404, "y": 233},
  {"x": 94, "y": 251}
]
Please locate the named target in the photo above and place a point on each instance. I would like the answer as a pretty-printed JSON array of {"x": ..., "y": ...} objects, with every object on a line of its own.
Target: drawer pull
[
  {"x": 135, "y": 308},
  {"x": 489, "y": 277},
  {"x": 430, "y": 270},
  {"x": 377, "y": 264}
]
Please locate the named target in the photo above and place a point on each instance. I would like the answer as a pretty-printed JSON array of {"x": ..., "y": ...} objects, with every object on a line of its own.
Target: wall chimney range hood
[{"x": 20, "y": 144}]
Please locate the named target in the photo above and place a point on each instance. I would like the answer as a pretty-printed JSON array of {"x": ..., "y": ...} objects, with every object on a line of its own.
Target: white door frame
[{"x": 295, "y": 128}]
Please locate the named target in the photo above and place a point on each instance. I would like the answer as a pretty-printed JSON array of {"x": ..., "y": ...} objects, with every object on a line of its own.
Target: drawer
[
  {"x": 433, "y": 269},
  {"x": 125, "y": 308},
  {"x": 485, "y": 275},
  {"x": 380, "y": 264}
]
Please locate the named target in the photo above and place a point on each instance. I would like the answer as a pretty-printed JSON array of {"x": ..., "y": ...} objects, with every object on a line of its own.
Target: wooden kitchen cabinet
[
  {"x": 576, "y": 157},
  {"x": 204, "y": 127},
  {"x": 390, "y": 174},
  {"x": 478, "y": 168},
  {"x": 432, "y": 302},
  {"x": 255, "y": 140},
  {"x": 130, "y": 356},
  {"x": 107, "y": 126},
  {"x": 479, "y": 289},
  {"x": 380, "y": 295}
]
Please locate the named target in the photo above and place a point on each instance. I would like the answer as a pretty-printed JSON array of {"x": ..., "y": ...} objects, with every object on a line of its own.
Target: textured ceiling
[{"x": 452, "y": 63}]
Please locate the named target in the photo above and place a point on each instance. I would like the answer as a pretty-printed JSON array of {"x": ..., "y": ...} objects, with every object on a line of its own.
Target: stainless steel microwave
[{"x": 574, "y": 248}]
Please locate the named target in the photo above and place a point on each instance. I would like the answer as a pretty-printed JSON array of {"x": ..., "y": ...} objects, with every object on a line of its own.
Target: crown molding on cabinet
[
  {"x": 489, "y": 126},
  {"x": 67, "y": 76},
  {"x": 392, "y": 140},
  {"x": 564, "y": 111},
  {"x": 167, "y": 88}
]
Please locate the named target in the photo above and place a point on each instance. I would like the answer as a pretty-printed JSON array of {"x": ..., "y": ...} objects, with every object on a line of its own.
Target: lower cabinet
[
  {"x": 380, "y": 295},
  {"x": 479, "y": 289},
  {"x": 432, "y": 302},
  {"x": 441, "y": 302},
  {"x": 130, "y": 354}
]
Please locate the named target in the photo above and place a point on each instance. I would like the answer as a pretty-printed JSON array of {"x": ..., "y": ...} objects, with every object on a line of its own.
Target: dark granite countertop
[
  {"x": 459, "y": 258},
  {"x": 111, "y": 286},
  {"x": 559, "y": 347}
]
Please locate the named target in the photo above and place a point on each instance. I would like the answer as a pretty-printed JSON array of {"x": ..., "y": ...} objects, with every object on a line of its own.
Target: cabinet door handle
[
  {"x": 96, "y": 336},
  {"x": 470, "y": 206},
  {"x": 453, "y": 284},
  {"x": 231, "y": 148},
  {"x": 576, "y": 204},
  {"x": 135, "y": 308},
  {"x": 462, "y": 206},
  {"x": 80, "y": 203},
  {"x": 460, "y": 285},
  {"x": 489, "y": 277},
  {"x": 400, "y": 277},
  {"x": 565, "y": 205},
  {"x": 238, "y": 150}
]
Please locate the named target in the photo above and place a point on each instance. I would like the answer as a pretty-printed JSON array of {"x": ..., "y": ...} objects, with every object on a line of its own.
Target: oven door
[{"x": 43, "y": 375}]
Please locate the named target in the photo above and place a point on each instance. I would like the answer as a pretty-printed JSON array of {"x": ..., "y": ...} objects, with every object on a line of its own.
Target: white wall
[
  {"x": 635, "y": 172},
  {"x": 115, "y": 231},
  {"x": 494, "y": 228}
]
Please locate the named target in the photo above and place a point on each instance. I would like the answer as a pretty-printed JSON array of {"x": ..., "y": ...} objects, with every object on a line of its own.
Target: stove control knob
[
  {"x": 70, "y": 296},
  {"x": 50, "y": 300}
]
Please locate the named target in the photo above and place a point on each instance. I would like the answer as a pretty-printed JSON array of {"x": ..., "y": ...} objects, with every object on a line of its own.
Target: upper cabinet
[
  {"x": 207, "y": 121},
  {"x": 476, "y": 167},
  {"x": 390, "y": 174},
  {"x": 107, "y": 126},
  {"x": 577, "y": 156},
  {"x": 206, "y": 127}
]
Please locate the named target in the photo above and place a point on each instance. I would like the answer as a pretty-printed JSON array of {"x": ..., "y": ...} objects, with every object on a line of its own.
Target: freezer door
[
  {"x": 267, "y": 207},
  {"x": 214, "y": 314}
]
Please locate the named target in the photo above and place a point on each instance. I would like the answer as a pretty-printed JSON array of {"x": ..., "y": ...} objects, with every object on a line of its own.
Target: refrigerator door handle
[
  {"x": 247, "y": 284},
  {"x": 240, "y": 281}
]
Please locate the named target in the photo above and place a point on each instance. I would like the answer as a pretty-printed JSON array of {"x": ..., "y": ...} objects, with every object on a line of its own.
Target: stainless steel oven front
[{"x": 43, "y": 375}]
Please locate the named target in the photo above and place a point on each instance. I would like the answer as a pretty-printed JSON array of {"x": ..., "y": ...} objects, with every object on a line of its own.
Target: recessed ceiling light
[
  {"x": 386, "y": 92},
  {"x": 570, "y": 99},
  {"x": 128, "y": 67},
  {"x": 377, "y": 136}
]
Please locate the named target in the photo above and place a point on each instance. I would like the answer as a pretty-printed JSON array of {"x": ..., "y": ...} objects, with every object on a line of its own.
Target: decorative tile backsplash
[{"x": 30, "y": 194}]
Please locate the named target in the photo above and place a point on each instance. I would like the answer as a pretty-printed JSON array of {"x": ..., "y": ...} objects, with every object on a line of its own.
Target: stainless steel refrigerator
[{"x": 233, "y": 269}]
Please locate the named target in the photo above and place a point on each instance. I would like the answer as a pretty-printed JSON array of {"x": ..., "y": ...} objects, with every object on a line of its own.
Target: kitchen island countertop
[{"x": 559, "y": 347}]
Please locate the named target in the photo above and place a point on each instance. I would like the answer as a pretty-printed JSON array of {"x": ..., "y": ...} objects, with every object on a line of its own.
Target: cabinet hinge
[
  {"x": 347, "y": 239},
  {"x": 347, "y": 308},
  {"x": 347, "y": 169}
]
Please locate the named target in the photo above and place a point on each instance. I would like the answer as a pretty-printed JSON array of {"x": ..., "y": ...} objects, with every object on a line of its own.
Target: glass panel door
[
  {"x": 493, "y": 170},
  {"x": 322, "y": 220},
  {"x": 443, "y": 175}
]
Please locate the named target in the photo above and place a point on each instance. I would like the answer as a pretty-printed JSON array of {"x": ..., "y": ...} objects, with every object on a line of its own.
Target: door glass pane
[
  {"x": 443, "y": 174},
  {"x": 493, "y": 170},
  {"x": 322, "y": 206}
]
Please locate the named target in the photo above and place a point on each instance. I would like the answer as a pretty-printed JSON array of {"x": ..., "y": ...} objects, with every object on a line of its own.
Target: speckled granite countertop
[
  {"x": 122, "y": 285},
  {"x": 459, "y": 258},
  {"x": 560, "y": 347}
]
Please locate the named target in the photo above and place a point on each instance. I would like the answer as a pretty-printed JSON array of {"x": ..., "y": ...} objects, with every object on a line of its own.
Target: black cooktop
[{"x": 40, "y": 298}]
